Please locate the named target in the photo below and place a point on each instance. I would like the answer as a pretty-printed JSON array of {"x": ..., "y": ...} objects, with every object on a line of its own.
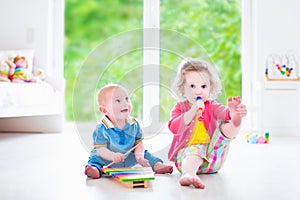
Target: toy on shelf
[
  {"x": 131, "y": 177},
  {"x": 257, "y": 139},
  {"x": 282, "y": 67}
]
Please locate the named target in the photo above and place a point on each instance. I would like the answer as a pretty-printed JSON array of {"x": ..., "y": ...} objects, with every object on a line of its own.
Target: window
[
  {"x": 193, "y": 29},
  {"x": 114, "y": 30},
  {"x": 100, "y": 47}
]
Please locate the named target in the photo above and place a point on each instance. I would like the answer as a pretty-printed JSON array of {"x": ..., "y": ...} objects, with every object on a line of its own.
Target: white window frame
[
  {"x": 151, "y": 61},
  {"x": 55, "y": 44},
  {"x": 249, "y": 96}
]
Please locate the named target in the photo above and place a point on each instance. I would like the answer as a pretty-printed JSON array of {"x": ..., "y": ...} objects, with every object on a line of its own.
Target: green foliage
[
  {"x": 88, "y": 24},
  {"x": 214, "y": 25}
]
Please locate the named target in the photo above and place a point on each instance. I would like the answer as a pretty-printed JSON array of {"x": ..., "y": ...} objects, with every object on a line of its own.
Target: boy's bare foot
[
  {"x": 160, "y": 168},
  {"x": 92, "y": 172},
  {"x": 187, "y": 180}
]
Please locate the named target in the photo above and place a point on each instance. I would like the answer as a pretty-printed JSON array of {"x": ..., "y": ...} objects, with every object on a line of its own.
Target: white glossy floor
[{"x": 50, "y": 166}]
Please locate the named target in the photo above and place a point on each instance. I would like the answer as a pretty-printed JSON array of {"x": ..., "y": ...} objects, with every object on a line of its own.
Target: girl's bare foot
[
  {"x": 160, "y": 168},
  {"x": 92, "y": 172},
  {"x": 187, "y": 180}
]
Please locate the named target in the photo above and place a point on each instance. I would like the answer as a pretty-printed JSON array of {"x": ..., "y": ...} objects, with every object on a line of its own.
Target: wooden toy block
[{"x": 134, "y": 184}]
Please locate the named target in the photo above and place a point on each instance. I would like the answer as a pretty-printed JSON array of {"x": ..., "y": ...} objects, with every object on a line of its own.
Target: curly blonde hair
[{"x": 194, "y": 64}]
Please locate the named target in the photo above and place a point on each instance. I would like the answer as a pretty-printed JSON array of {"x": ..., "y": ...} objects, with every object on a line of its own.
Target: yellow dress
[{"x": 199, "y": 134}]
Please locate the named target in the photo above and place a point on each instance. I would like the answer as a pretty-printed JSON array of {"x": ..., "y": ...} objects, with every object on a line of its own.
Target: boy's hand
[
  {"x": 142, "y": 161},
  {"x": 118, "y": 157}
]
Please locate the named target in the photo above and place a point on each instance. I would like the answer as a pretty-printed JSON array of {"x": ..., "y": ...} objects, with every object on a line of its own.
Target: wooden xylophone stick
[{"x": 134, "y": 147}]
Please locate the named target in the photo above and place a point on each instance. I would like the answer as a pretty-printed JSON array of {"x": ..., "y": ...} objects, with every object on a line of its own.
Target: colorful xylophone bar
[{"x": 131, "y": 177}]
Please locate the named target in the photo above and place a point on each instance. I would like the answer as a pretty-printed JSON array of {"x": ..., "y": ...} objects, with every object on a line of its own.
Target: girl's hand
[
  {"x": 236, "y": 107},
  {"x": 198, "y": 105},
  {"x": 118, "y": 157},
  {"x": 196, "y": 109},
  {"x": 237, "y": 110}
]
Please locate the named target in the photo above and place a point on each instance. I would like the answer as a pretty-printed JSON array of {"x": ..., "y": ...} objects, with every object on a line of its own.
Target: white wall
[
  {"x": 34, "y": 24},
  {"x": 270, "y": 26},
  {"x": 276, "y": 26}
]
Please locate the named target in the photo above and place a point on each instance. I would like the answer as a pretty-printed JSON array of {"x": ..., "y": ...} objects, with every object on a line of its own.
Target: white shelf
[{"x": 282, "y": 85}]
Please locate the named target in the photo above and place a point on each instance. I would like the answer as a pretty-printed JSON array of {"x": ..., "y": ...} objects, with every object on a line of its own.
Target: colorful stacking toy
[{"x": 257, "y": 139}]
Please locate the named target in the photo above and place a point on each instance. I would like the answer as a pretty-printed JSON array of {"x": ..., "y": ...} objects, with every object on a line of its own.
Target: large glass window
[
  {"x": 101, "y": 47},
  {"x": 104, "y": 43},
  {"x": 201, "y": 28}
]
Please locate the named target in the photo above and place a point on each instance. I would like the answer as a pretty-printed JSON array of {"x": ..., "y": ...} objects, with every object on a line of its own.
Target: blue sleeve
[
  {"x": 139, "y": 132},
  {"x": 100, "y": 138}
]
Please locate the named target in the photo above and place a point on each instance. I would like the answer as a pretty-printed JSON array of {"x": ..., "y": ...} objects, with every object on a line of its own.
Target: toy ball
[
  {"x": 252, "y": 139},
  {"x": 261, "y": 140}
]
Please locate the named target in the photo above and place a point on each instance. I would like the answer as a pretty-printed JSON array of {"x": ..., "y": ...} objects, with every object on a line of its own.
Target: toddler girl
[{"x": 202, "y": 127}]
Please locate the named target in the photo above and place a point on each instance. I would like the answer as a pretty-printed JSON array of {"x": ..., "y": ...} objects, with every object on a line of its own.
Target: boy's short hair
[{"x": 105, "y": 89}]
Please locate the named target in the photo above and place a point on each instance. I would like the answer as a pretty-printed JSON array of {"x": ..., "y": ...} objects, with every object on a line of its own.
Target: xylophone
[{"x": 131, "y": 177}]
